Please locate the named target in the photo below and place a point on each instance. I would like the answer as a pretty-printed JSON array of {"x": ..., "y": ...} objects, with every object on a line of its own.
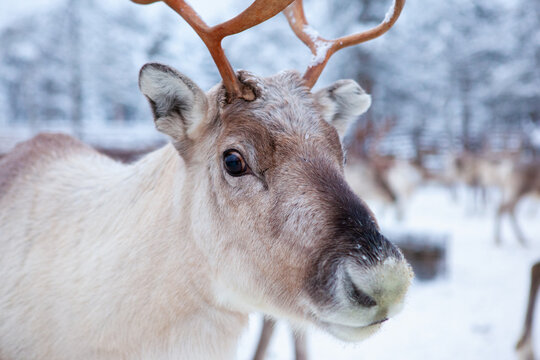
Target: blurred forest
[{"x": 450, "y": 76}]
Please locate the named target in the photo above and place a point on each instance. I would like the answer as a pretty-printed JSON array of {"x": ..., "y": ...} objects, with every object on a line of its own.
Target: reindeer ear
[
  {"x": 342, "y": 103},
  {"x": 177, "y": 102}
]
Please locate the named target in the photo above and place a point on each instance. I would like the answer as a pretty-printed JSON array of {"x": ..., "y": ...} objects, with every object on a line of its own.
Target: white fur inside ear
[
  {"x": 352, "y": 98},
  {"x": 156, "y": 83},
  {"x": 172, "y": 95},
  {"x": 342, "y": 103}
]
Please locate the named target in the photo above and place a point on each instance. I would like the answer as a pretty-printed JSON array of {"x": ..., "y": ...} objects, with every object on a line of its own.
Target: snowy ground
[{"x": 475, "y": 312}]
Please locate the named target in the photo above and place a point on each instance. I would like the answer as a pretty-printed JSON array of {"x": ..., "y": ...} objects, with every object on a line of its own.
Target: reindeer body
[
  {"x": 370, "y": 181},
  {"x": 166, "y": 257},
  {"x": 246, "y": 210},
  {"x": 389, "y": 181},
  {"x": 522, "y": 180},
  {"x": 514, "y": 178},
  {"x": 97, "y": 263}
]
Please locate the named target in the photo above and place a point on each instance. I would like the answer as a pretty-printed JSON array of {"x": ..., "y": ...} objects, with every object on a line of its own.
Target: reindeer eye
[{"x": 234, "y": 163}]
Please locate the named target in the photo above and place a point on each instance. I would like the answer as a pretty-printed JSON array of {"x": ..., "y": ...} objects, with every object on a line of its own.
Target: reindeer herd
[
  {"x": 249, "y": 208},
  {"x": 514, "y": 177}
]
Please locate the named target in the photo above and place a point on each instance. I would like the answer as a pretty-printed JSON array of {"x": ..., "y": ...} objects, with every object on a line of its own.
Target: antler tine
[
  {"x": 258, "y": 12},
  {"x": 321, "y": 48}
]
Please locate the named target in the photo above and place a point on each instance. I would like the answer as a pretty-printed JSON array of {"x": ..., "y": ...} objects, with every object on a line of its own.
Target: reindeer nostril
[
  {"x": 358, "y": 296},
  {"x": 362, "y": 298}
]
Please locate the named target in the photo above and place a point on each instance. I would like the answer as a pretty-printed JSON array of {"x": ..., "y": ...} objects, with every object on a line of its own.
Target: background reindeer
[
  {"x": 367, "y": 172},
  {"x": 513, "y": 177},
  {"x": 523, "y": 180},
  {"x": 383, "y": 178},
  {"x": 524, "y": 345},
  {"x": 245, "y": 210}
]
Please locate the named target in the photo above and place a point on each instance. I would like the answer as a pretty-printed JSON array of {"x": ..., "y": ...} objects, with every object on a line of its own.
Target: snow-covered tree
[{"x": 446, "y": 72}]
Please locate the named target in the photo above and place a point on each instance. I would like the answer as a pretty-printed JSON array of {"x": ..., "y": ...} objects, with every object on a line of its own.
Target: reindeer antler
[
  {"x": 258, "y": 12},
  {"x": 322, "y": 48}
]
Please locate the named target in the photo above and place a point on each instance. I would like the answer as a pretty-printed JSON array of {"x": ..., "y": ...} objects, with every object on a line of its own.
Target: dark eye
[{"x": 234, "y": 163}]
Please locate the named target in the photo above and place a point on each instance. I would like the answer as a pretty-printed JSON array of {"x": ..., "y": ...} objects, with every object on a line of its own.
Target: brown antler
[
  {"x": 322, "y": 48},
  {"x": 258, "y": 12}
]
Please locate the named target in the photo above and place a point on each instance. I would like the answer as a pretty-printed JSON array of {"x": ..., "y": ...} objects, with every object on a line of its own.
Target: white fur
[
  {"x": 95, "y": 288},
  {"x": 164, "y": 87},
  {"x": 384, "y": 283},
  {"x": 342, "y": 103}
]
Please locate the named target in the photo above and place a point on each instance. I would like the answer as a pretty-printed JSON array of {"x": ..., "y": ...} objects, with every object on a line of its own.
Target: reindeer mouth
[
  {"x": 378, "y": 322},
  {"x": 352, "y": 333}
]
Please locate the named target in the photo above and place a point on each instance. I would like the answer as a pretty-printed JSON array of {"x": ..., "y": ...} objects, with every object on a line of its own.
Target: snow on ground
[{"x": 475, "y": 311}]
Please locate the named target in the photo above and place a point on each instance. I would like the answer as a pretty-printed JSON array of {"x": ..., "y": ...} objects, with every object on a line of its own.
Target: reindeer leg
[
  {"x": 517, "y": 230},
  {"x": 300, "y": 345},
  {"x": 484, "y": 192},
  {"x": 524, "y": 344},
  {"x": 498, "y": 219},
  {"x": 264, "y": 340}
]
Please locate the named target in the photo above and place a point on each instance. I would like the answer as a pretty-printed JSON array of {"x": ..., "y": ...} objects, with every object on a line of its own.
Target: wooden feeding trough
[{"x": 425, "y": 252}]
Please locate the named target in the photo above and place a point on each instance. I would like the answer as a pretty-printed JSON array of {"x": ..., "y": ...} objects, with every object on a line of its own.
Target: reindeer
[
  {"x": 515, "y": 180},
  {"x": 524, "y": 345},
  {"x": 467, "y": 168},
  {"x": 367, "y": 172},
  {"x": 523, "y": 180},
  {"x": 246, "y": 209},
  {"x": 382, "y": 177}
]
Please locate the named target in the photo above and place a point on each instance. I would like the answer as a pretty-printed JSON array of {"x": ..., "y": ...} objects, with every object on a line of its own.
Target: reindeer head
[{"x": 281, "y": 230}]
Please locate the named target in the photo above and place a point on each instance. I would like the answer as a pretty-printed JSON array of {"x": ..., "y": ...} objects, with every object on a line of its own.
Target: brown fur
[
  {"x": 524, "y": 180},
  {"x": 274, "y": 141},
  {"x": 525, "y": 339}
]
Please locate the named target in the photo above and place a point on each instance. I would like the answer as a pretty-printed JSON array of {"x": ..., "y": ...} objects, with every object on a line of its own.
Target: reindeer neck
[{"x": 183, "y": 279}]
